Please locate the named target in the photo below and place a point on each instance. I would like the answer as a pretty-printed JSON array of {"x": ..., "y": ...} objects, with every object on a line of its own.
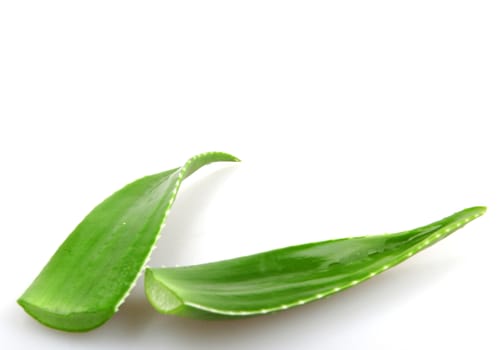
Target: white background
[{"x": 351, "y": 118}]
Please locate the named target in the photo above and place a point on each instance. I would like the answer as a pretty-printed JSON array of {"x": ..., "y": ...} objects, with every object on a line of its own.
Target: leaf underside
[
  {"x": 284, "y": 278},
  {"x": 93, "y": 270}
]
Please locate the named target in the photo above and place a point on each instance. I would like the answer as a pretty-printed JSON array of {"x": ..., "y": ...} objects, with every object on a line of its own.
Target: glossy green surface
[
  {"x": 283, "y": 278},
  {"x": 93, "y": 271}
]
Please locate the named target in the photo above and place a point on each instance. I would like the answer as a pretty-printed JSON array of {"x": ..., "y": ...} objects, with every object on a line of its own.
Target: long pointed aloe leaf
[
  {"x": 283, "y": 278},
  {"x": 93, "y": 271}
]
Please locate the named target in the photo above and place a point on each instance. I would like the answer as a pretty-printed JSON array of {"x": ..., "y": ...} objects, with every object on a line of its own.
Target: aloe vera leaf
[
  {"x": 284, "y": 278},
  {"x": 94, "y": 269}
]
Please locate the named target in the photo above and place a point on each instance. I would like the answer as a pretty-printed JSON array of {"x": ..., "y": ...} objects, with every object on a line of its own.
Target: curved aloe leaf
[
  {"x": 288, "y": 277},
  {"x": 95, "y": 268}
]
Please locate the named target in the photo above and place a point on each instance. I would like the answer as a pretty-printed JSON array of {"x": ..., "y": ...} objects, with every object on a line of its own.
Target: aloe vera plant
[
  {"x": 288, "y": 277},
  {"x": 94, "y": 269}
]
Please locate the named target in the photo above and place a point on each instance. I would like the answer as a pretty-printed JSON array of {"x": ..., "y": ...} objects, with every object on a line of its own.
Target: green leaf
[
  {"x": 288, "y": 277},
  {"x": 93, "y": 271}
]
